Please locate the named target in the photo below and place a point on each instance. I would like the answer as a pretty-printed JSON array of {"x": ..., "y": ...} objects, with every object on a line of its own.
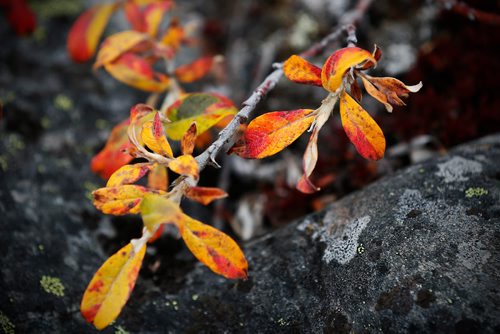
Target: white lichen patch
[
  {"x": 458, "y": 169},
  {"x": 473, "y": 254},
  {"x": 341, "y": 239},
  {"x": 410, "y": 200}
]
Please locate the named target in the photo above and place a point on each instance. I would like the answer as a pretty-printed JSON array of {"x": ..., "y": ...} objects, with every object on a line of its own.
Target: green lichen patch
[
  {"x": 52, "y": 285},
  {"x": 475, "y": 192},
  {"x": 7, "y": 326},
  {"x": 121, "y": 330},
  {"x": 360, "y": 249},
  {"x": 63, "y": 102}
]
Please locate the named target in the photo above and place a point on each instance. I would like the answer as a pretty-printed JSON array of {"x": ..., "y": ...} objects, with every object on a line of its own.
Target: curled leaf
[
  {"x": 117, "y": 44},
  {"x": 339, "y": 63},
  {"x": 203, "y": 108},
  {"x": 87, "y": 30},
  {"x": 361, "y": 129},
  {"x": 113, "y": 155},
  {"x": 157, "y": 210},
  {"x": 189, "y": 140},
  {"x": 137, "y": 72},
  {"x": 301, "y": 71},
  {"x": 153, "y": 135},
  {"x": 185, "y": 165},
  {"x": 214, "y": 249},
  {"x": 388, "y": 90},
  {"x": 128, "y": 174},
  {"x": 119, "y": 200},
  {"x": 111, "y": 286},
  {"x": 272, "y": 132},
  {"x": 194, "y": 71},
  {"x": 204, "y": 195}
]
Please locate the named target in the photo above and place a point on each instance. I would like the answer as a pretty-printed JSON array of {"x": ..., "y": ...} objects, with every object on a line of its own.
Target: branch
[
  {"x": 463, "y": 9},
  {"x": 347, "y": 24}
]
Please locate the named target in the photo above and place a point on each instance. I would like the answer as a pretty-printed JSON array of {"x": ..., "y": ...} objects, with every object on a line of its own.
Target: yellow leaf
[
  {"x": 115, "y": 45},
  {"x": 128, "y": 174},
  {"x": 189, "y": 140},
  {"x": 120, "y": 200},
  {"x": 214, "y": 249},
  {"x": 158, "y": 178},
  {"x": 361, "y": 129},
  {"x": 153, "y": 135},
  {"x": 185, "y": 165},
  {"x": 111, "y": 286},
  {"x": 156, "y": 210}
]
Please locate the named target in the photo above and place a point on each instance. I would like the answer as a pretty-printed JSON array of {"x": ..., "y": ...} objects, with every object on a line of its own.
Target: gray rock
[{"x": 414, "y": 252}]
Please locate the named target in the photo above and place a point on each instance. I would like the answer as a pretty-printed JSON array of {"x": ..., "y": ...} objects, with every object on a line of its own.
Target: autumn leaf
[
  {"x": 361, "y": 129},
  {"x": 87, "y": 30},
  {"x": 188, "y": 140},
  {"x": 153, "y": 135},
  {"x": 203, "y": 108},
  {"x": 339, "y": 62},
  {"x": 301, "y": 71},
  {"x": 194, "y": 71},
  {"x": 111, "y": 286},
  {"x": 153, "y": 15},
  {"x": 113, "y": 155},
  {"x": 115, "y": 45},
  {"x": 185, "y": 165},
  {"x": 120, "y": 200},
  {"x": 388, "y": 90},
  {"x": 135, "y": 71},
  {"x": 139, "y": 112},
  {"x": 134, "y": 16},
  {"x": 214, "y": 249},
  {"x": 204, "y": 195},
  {"x": 157, "y": 210},
  {"x": 128, "y": 174},
  {"x": 174, "y": 36},
  {"x": 272, "y": 132},
  {"x": 158, "y": 178}
]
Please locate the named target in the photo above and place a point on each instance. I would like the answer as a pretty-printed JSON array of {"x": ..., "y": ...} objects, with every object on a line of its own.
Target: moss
[
  {"x": 475, "y": 192},
  {"x": 62, "y": 102},
  {"x": 194, "y": 297},
  {"x": 52, "y": 285},
  {"x": 6, "y": 325},
  {"x": 282, "y": 322},
  {"x": 4, "y": 165},
  {"x": 360, "y": 249}
]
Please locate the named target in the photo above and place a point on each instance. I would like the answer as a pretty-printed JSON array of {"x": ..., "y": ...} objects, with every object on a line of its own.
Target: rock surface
[{"x": 414, "y": 252}]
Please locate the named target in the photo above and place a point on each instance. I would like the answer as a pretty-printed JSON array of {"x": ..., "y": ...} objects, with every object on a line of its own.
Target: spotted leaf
[
  {"x": 115, "y": 45},
  {"x": 301, "y": 71},
  {"x": 128, "y": 174},
  {"x": 153, "y": 135},
  {"x": 111, "y": 286},
  {"x": 204, "y": 195},
  {"x": 120, "y": 200},
  {"x": 185, "y": 165},
  {"x": 214, "y": 249},
  {"x": 272, "y": 132}
]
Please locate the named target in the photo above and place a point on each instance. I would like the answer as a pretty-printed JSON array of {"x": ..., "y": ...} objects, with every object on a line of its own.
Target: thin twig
[
  {"x": 350, "y": 19},
  {"x": 463, "y": 9}
]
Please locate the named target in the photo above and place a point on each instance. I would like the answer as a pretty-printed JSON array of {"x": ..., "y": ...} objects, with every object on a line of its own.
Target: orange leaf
[
  {"x": 339, "y": 63},
  {"x": 138, "y": 111},
  {"x": 135, "y": 16},
  {"x": 137, "y": 72},
  {"x": 189, "y": 140},
  {"x": 87, "y": 30},
  {"x": 174, "y": 36},
  {"x": 120, "y": 200},
  {"x": 214, "y": 249},
  {"x": 158, "y": 178},
  {"x": 204, "y": 195},
  {"x": 113, "y": 155},
  {"x": 388, "y": 90},
  {"x": 301, "y": 71},
  {"x": 157, "y": 234},
  {"x": 117, "y": 44},
  {"x": 361, "y": 129},
  {"x": 194, "y": 71},
  {"x": 185, "y": 165},
  {"x": 377, "y": 53},
  {"x": 128, "y": 174},
  {"x": 153, "y": 15},
  {"x": 272, "y": 132},
  {"x": 153, "y": 135},
  {"x": 157, "y": 210},
  {"x": 111, "y": 286}
]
